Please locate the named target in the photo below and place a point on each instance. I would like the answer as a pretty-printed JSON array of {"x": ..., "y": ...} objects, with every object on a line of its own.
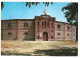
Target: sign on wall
[{"x": 40, "y": 34}]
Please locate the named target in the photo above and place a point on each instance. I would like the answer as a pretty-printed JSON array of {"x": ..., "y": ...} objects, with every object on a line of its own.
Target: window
[
  {"x": 9, "y": 33},
  {"x": 58, "y": 26},
  {"x": 51, "y": 37},
  {"x": 52, "y": 24},
  {"x": 68, "y": 28},
  {"x": 38, "y": 36},
  {"x": 68, "y": 34},
  {"x": 9, "y": 25},
  {"x": 48, "y": 24},
  {"x": 42, "y": 23},
  {"x": 26, "y": 33},
  {"x": 58, "y": 33},
  {"x": 74, "y": 34},
  {"x": 38, "y": 23},
  {"x": 73, "y": 29},
  {"x": 25, "y": 24},
  {"x": 45, "y": 23}
]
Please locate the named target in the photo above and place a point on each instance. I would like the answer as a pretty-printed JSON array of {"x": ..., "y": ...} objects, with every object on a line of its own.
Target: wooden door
[{"x": 45, "y": 37}]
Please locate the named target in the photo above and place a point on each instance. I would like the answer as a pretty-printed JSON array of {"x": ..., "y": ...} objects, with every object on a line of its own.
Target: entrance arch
[{"x": 45, "y": 36}]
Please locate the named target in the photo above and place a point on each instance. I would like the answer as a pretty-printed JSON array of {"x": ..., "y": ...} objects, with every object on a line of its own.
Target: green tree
[
  {"x": 71, "y": 13},
  {"x": 36, "y": 3},
  {"x": 31, "y": 3},
  {"x": 2, "y": 5}
]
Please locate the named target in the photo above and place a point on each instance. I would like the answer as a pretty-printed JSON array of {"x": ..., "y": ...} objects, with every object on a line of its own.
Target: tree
[
  {"x": 71, "y": 13},
  {"x": 31, "y": 3},
  {"x": 2, "y": 5},
  {"x": 36, "y": 3}
]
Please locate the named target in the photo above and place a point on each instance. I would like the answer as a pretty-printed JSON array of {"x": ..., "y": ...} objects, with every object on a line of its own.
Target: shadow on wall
[{"x": 30, "y": 35}]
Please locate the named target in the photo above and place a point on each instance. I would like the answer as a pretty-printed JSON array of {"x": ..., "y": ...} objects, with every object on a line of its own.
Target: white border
[
  {"x": 45, "y": 1},
  {"x": 42, "y": 0}
]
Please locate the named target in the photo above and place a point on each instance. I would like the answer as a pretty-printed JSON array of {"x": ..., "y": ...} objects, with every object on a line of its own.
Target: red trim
[
  {"x": 54, "y": 30},
  {"x": 17, "y": 29},
  {"x": 64, "y": 31},
  {"x": 36, "y": 29}
]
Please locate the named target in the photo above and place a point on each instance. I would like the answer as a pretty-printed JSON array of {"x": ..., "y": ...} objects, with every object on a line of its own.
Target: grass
[
  {"x": 39, "y": 48},
  {"x": 14, "y": 53},
  {"x": 65, "y": 51}
]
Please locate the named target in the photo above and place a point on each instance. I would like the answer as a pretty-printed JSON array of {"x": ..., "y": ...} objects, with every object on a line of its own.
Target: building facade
[{"x": 41, "y": 28}]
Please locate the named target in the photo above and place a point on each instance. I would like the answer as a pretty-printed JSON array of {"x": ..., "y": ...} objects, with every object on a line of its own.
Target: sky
[{"x": 18, "y": 10}]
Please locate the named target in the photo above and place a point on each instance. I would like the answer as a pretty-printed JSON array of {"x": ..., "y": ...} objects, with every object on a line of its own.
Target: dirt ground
[{"x": 28, "y": 47}]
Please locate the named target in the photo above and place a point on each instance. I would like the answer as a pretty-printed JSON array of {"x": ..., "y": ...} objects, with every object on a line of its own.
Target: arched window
[
  {"x": 42, "y": 23},
  {"x": 48, "y": 24},
  {"x": 45, "y": 23}
]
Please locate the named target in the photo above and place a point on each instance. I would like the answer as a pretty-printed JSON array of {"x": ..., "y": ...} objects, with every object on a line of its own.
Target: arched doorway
[{"x": 45, "y": 36}]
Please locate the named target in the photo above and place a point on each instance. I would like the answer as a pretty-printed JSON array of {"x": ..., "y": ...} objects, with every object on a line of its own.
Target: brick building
[{"x": 41, "y": 28}]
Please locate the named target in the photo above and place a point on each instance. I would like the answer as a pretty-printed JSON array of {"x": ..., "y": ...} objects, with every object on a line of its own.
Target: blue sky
[{"x": 18, "y": 10}]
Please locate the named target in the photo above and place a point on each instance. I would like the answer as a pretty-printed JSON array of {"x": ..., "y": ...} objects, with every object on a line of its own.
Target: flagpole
[
  {"x": 10, "y": 17},
  {"x": 45, "y": 10}
]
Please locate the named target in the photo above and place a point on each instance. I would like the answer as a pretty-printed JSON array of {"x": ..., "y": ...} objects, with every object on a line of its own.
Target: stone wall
[
  {"x": 8, "y": 33},
  {"x": 19, "y": 32},
  {"x": 73, "y": 33},
  {"x": 65, "y": 34},
  {"x": 29, "y": 30},
  {"x": 61, "y": 31},
  {"x": 68, "y": 33}
]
